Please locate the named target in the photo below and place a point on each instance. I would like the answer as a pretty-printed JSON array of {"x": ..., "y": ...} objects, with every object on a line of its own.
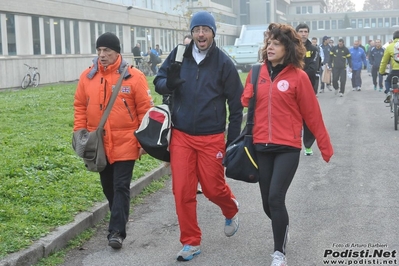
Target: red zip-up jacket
[{"x": 282, "y": 105}]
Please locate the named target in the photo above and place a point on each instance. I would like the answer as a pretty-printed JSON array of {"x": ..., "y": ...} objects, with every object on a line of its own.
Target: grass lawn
[{"x": 43, "y": 184}]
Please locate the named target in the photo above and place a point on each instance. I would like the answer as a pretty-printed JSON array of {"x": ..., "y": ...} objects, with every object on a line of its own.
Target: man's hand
[
  {"x": 173, "y": 79},
  {"x": 141, "y": 152}
]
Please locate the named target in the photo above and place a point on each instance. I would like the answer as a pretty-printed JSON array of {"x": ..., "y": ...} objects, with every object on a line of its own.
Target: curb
[{"x": 59, "y": 238}]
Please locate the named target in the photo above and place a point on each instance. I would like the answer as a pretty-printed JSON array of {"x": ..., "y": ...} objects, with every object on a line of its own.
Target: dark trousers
[
  {"x": 276, "y": 171},
  {"x": 339, "y": 74},
  {"x": 115, "y": 181},
  {"x": 356, "y": 78},
  {"x": 388, "y": 81},
  {"x": 374, "y": 74},
  {"x": 308, "y": 137}
]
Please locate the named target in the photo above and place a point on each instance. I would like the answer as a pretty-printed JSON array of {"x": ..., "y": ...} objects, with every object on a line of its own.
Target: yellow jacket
[{"x": 387, "y": 58}]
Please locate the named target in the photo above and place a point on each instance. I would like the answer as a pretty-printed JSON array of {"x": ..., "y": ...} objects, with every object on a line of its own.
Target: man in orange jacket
[{"x": 92, "y": 95}]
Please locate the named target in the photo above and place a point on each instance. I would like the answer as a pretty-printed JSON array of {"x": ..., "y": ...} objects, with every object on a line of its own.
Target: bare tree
[
  {"x": 339, "y": 6},
  {"x": 378, "y": 5}
]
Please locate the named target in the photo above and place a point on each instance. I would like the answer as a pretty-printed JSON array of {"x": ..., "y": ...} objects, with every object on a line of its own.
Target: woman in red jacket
[{"x": 284, "y": 99}]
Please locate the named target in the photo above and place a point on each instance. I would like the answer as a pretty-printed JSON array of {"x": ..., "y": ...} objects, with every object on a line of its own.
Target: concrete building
[{"x": 58, "y": 36}]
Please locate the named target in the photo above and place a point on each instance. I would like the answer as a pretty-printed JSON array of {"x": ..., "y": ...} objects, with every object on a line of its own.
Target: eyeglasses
[{"x": 204, "y": 30}]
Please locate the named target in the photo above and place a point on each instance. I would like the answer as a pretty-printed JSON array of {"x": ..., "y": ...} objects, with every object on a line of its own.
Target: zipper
[
  {"x": 128, "y": 109},
  {"x": 269, "y": 111}
]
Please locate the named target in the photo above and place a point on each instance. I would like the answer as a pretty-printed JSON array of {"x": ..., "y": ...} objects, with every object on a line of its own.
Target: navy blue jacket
[
  {"x": 199, "y": 104},
  {"x": 375, "y": 56}
]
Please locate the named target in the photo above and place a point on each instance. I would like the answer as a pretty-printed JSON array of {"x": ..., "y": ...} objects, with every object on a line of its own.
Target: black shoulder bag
[{"x": 240, "y": 158}]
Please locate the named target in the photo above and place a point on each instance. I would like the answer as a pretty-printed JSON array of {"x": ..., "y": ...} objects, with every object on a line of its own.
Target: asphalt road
[{"x": 346, "y": 210}]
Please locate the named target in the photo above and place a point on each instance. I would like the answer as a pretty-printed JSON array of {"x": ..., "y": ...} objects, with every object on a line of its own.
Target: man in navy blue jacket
[
  {"x": 375, "y": 57},
  {"x": 200, "y": 87}
]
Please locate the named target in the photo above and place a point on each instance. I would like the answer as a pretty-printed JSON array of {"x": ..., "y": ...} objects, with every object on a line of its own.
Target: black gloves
[{"x": 173, "y": 79}]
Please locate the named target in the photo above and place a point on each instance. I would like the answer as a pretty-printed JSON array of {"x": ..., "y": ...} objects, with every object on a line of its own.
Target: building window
[
  {"x": 340, "y": 24},
  {"x": 314, "y": 25},
  {"x": 140, "y": 32},
  {"x": 393, "y": 21},
  {"x": 93, "y": 37},
  {"x": 47, "y": 37},
  {"x": 386, "y": 24},
  {"x": 36, "y": 35},
  {"x": 360, "y": 23},
  {"x": 353, "y": 23},
  {"x": 67, "y": 27},
  {"x": 310, "y": 9},
  {"x": 57, "y": 35},
  {"x": 321, "y": 24},
  {"x": 333, "y": 24},
  {"x": 10, "y": 24},
  {"x": 373, "y": 22},
  {"x": 1, "y": 44},
  {"x": 298, "y": 10},
  {"x": 380, "y": 22},
  {"x": 76, "y": 38},
  {"x": 304, "y": 10},
  {"x": 327, "y": 25},
  {"x": 367, "y": 22}
]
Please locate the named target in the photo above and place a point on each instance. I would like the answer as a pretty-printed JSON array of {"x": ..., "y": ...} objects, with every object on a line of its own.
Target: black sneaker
[
  {"x": 115, "y": 240},
  {"x": 387, "y": 99}
]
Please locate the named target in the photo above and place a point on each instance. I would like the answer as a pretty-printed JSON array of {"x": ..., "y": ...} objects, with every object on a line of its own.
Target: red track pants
[{"x": 193, "y": 159}]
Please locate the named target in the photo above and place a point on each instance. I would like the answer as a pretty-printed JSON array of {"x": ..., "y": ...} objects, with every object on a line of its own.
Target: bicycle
[
  {"x": 145, "y": 67},
  {"x": 394, "y": 100},
  {"x": 31, "y": 78}
]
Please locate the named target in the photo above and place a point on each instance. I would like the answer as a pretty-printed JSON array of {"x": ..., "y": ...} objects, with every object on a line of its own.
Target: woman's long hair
[{"x": 294, "y": 48}]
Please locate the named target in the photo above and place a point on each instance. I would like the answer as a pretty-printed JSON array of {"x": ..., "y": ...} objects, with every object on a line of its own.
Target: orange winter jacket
[
  {"x": 281, "y": 107},
  {"x": 92, "y": 96}
]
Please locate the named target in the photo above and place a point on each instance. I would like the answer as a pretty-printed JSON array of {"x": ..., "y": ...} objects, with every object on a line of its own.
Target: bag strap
[
  {"x": 112, "y": 99},
  {"x": 251, "y": 106}
]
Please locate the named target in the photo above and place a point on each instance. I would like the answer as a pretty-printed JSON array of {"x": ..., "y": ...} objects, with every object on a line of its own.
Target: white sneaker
[
  {"x": 188, "y": 252},
  {"x": 359, "y": 89},
  {"x": 353, "y": 89},
  {"x": 329, "y": 87},
  {"x": 231, "y": 226},
  {"x": 341, "y": 94},
  {"x": 279, "y": 259}
]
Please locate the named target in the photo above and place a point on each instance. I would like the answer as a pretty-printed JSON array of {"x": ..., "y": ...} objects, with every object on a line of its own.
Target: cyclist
[{"x": 388, "y": 57}]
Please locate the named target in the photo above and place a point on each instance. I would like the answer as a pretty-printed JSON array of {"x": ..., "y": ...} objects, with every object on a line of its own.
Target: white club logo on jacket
[{"x": 283, "y": 85}]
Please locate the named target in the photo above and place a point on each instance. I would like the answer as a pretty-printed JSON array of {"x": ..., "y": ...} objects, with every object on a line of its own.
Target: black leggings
[{"x": 276, "y": 171}]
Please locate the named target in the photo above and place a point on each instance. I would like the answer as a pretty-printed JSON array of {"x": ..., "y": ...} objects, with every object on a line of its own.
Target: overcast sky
[{"x": 359, "y": 4}]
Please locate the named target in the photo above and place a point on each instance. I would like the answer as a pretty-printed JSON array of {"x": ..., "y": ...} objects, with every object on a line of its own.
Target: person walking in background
[
  {"x": 312, "y": 61},
  {"x": 284, "y": 90},
  {"x": 358, "y": 58},
  {"x": 325, "y": 46},
  {"x": 375, "y": 58},
  {"x": 201, "y": 86},
  {"x": 340, "y": 57},
  {"x": 153, "y": 59},
  {"x": 386, "y": 59},
  {"x": 122, "y": 149},
  {"x": 321, "y": 58},
  {"x": 187, "y": 39},
  {"x": 137, "y": 54},
  {"x": 159, "y": 50},
  {"x": 369, "y": 47}
]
